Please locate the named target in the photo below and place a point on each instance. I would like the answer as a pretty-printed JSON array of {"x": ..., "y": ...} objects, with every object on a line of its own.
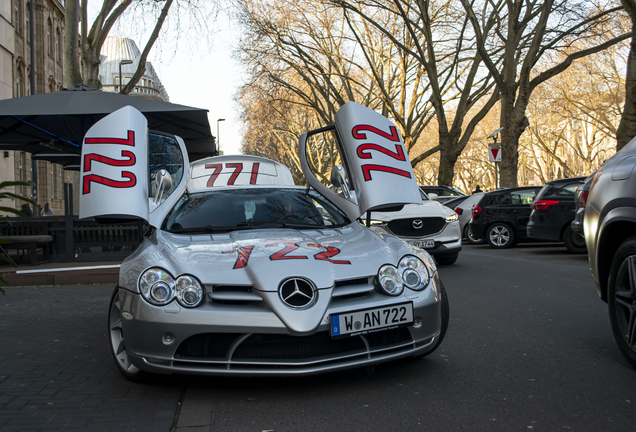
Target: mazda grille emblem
[
  {"x": 297, "y": 293},
  {"x": 418, "y": 224}
]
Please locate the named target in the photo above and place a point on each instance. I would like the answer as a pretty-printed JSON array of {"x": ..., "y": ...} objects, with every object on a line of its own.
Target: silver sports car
[{"x": 243, "y": 273}]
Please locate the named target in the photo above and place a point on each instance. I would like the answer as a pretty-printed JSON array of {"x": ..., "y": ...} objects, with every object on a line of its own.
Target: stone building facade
[{"x": 16, "y": 43}]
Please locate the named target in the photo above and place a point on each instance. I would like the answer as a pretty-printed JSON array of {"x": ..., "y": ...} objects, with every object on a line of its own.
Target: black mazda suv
[
  {"x": 553, "y": 212},
  {"x": 500, "y": 217}
]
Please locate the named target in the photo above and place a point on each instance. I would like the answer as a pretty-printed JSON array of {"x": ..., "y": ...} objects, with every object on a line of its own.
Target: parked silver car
[
  {"x": 243, "y": 273},
  {"x": 610, "y": 235}
]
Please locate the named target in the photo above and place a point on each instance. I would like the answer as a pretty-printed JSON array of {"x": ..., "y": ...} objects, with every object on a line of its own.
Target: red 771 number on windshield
[{"x": 364, "y": 150}]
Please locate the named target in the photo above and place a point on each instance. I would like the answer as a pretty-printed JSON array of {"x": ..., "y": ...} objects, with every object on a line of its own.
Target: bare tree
[
  {"x": 310, "y": 56},
  {"x": 440, "y": 41},
  {"x": 82, "y": 48},
  {"x": 515, "y": 37}
]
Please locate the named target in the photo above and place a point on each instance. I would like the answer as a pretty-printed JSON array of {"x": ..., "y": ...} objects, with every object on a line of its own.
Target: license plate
[
  {"x": 424, "y": 244},
  {"x": 371, "y": 320}
]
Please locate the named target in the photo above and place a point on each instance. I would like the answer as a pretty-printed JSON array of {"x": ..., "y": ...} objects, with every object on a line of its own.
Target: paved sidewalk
[{"x": 56, "y": 370}]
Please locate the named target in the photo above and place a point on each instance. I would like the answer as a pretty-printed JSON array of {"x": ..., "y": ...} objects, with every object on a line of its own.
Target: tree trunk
[
  {"x": 509, "y": 140},
  {"x": 627, "y": 127},
  {"x": 91, "y": 68},
  {"x": 72, "y": 75},
  {"x": 447, "y": 161}
]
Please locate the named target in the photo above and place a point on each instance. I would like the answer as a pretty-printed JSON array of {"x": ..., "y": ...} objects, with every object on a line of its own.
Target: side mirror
[
  {"x": 339, "y": 179},
  {"x": 433, "y": 196},
  {"x": 163, "y": 183}
]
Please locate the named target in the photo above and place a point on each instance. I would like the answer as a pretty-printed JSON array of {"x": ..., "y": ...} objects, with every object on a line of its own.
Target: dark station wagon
[{"x": 500, "y": 217}]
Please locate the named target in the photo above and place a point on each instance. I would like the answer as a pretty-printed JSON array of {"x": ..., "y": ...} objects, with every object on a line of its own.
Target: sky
[{"x": 200, "y": 72}]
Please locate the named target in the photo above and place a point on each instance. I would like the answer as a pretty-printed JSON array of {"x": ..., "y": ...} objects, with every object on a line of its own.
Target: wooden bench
[{"x": 29, "y": 236}]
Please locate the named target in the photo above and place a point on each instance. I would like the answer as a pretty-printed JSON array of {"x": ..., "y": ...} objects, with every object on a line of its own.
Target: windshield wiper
[{"x": 208, "y": 229}]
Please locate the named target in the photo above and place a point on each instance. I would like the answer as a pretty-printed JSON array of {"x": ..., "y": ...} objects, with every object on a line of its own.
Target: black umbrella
[{"x": 56, "y": 122}]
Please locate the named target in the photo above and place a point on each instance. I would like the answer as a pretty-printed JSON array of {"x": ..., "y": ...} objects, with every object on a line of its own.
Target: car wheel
[
  {"x": 621, "y": 299},
  {"x": 500, "y": 236},
  {"x": 117, "y": 345},
  {"x": 574, "y": 242},
  {"x": 445, "y": 319},
  {"x": 447, "y": 260},
  {"x": 470, "y": 238}
]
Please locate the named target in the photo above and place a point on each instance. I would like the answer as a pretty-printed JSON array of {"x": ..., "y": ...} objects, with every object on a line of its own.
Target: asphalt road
[{"x": 528, "y": 348}]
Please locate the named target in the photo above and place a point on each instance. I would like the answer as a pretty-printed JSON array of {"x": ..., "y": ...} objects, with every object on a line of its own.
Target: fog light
[
  {"x": 417, "y": 322},
  {"x": 168, "y": 338},
  {"x": 127, "y": 315}
]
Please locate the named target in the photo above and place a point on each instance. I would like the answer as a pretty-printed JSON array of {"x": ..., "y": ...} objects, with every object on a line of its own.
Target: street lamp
[
  {"x": 218, "y": 140},
  {"x": 123, "y": 62}
]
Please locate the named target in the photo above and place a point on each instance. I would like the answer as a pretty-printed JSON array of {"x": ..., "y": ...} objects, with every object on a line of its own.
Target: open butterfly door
[
  {"x": 376, "y": 165},
  {"x": 116, "y": 179}
]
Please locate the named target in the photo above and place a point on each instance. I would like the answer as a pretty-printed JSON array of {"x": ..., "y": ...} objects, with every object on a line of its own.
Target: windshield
[
  {"x": 228, "y": 210},
  {"x": 424, "y": 196}
]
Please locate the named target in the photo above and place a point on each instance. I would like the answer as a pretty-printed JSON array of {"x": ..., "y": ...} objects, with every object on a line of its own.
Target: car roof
[
  {"x": 520, "y": 188},
  {"x": 566, "y": 180}
]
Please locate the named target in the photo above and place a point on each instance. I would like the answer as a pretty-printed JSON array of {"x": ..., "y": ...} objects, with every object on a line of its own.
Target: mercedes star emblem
[{"x": 297, "y": 293}]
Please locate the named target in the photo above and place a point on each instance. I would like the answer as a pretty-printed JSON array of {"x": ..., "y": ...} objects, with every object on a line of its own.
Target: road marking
[
  {"x": 68, "y": 269},
  {"x": 530, "y": 261}
]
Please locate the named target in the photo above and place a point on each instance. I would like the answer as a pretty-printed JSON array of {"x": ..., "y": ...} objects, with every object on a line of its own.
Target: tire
[
  {"x": 445, "y": 319},
  {"x": 447, "y": 260},
  {"x": 468, "y": 235},
  {"x": 117, "y": 347},
  {"x": 621, "y": 299},
  {"x": 500, "y": 236},
  {"x": 574, "y": 242}
]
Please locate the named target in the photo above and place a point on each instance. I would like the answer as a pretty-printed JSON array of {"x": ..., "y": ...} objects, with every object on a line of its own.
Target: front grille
[
  {"x": 285, "y": 348},
  {"x": 404, "y": 227}
]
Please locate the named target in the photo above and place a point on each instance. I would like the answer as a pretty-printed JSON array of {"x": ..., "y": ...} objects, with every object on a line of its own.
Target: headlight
[
  {"x": 389, "y": 280},
  {"x": 157, "y": 286},
  {"x": 189, "y": 292},
  {"x": 452, "y": 218},
  {"x": 375, "y": 222},
  {"x": 414, "y": 273},
  {"x": 411, "y": 272}
]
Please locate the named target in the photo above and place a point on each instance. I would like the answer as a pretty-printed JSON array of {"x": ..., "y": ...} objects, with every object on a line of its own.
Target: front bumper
[
  {"x": 229, "y": 339},
  {"x": 448, "y": 242}
]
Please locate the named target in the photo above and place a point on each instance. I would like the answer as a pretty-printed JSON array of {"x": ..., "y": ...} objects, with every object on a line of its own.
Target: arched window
[
  {"x": 49, "y": 47},
  {"x": 18, "y": 82},
  {"x": 58, "y": 53}
]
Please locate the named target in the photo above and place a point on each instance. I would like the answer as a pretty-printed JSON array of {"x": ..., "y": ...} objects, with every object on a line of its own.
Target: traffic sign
[{"x": 494, "y": 154}]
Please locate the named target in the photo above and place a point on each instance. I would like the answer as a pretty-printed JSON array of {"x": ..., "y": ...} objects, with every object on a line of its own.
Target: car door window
[
  {"x": 522, "y": 197},
  {"x": 164, "y": 153},
  {"x": 504, "y": 199},
  {"x": 568, "y": 190}
]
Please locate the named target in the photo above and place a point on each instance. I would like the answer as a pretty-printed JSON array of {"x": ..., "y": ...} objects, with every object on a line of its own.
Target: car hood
[
  {"x": 263, "y": 258},
  {"x": 426, "y": 209}
]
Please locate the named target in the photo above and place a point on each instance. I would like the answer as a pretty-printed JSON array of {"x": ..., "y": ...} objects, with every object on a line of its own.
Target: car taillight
[
  {"x": 581, "y": 199},
  {"x": 458, "y": 210},
  {"x": 542, "y": 204},
  {"x": 476, "y": 210}
]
